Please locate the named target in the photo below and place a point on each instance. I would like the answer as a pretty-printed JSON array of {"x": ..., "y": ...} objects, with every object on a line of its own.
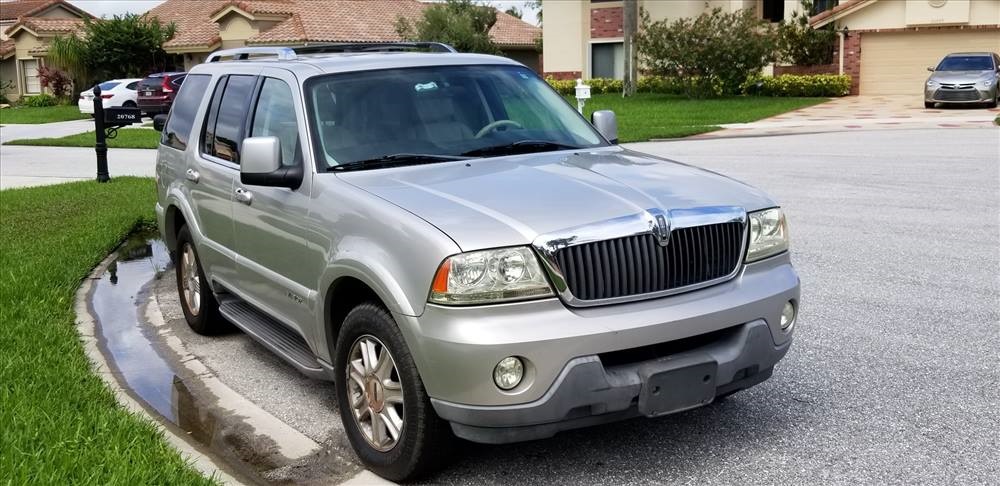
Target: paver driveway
[{"x": 863, "y": 113}]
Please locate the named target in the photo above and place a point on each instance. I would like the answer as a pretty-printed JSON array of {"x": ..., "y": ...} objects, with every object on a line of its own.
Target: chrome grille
[{"x": 638, "y": 264}]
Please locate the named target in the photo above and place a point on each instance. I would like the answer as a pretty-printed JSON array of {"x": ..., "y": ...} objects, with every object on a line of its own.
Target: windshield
[
  {"x": 441, "y": 112},
  {"x": 966, "y": 63}
]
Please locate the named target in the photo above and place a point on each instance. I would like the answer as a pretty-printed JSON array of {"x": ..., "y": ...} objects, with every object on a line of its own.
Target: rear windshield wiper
[
  {"x": 395, "y": 160},
  {"x": 521, "y": 147}
]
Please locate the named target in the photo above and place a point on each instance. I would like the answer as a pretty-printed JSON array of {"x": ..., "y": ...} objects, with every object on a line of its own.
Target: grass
[
  {"x": 48, "y": 114},
  {"x": 59, "y": 423},
  {"x": 649, "y": 115},
  {"x": 127, "y": 138}
]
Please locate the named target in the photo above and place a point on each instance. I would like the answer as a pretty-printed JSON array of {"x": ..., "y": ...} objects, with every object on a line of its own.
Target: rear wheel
[
  {"x": 129, "y": 104},
  {"x": 385, "y": 410},
  {"x": 201, "y": 310}
]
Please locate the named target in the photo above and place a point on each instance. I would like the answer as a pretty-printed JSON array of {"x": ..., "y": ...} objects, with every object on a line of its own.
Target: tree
[
  {"x": 710, "y": 55},
  {"x": 513, "y": 12},
  {"x": 128, "y": 46},
  {"x": 800, "y": 44},
  {"x": 535, "y": 5},
  {"x": 462, "y": 23}
]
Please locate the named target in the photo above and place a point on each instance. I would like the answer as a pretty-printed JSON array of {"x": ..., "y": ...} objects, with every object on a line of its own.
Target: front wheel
[
  {"x": 928, "y": 104},
  {"x": 385, "y": 410}
]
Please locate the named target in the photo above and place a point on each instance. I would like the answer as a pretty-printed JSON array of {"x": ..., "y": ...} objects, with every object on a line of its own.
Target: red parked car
[{"x": 157, "y": 91}]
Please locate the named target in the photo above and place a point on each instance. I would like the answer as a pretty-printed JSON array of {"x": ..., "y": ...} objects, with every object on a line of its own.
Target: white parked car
[{"x": 117, "y": 92}]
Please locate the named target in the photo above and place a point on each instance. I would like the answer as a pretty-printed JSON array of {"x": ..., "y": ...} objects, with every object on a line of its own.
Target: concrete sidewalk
[
  {"x": 11, "y": 131},
  {"x": 24, "y": 166},
  {"x": 862, "y": 113}
]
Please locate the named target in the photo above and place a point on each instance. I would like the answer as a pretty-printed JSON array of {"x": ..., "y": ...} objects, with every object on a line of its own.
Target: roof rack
[{"x": 291, "y": 53}]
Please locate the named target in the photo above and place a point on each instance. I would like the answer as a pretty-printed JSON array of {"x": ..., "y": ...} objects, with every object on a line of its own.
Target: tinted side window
[
  {"x": 226, "y": 126},
  {"x": 182, "y": 113},
  {"x": 132, "y": 85},
  {"x": 275, "y": 117}
]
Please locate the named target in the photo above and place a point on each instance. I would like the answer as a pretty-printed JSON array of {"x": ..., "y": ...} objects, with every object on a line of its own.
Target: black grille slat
[{"x": 637, "y": 265}]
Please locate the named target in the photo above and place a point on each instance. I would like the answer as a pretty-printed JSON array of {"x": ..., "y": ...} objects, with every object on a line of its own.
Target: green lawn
[
  {"x": 48, "y": 114},
  {"x": 59, "y": 424},
  {"x": 127, "y": 138},
  {"x": 650, "y": 115}
]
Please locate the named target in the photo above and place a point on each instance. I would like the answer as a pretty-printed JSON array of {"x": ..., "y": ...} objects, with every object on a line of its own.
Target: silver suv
[{"x": 448, "y": 240}]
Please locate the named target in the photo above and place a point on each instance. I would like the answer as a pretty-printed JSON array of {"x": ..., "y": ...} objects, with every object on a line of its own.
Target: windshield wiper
[
  {"x": 521, "y": 147},
  {"x": 395, "y": 160}
]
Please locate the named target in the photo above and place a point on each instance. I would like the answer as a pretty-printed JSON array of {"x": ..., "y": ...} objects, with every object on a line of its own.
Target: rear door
[
  {"x": 278, "y": 267},
  {"x": 214, "y": 166}
]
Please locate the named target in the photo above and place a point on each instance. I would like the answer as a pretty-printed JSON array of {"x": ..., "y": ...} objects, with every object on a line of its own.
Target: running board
[{"x": 281, "y": 340}]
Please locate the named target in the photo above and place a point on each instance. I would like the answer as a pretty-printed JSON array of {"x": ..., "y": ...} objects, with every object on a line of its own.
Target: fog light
[
  {"x": 788, "y": 315},
  {"x": 508, "y": 372}
]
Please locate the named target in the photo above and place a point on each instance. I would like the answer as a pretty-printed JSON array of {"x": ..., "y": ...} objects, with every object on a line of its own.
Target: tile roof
[
  {"x": 27, "y": 8},
  {"x": 43, "y": 25},
  {"x": 317, "y": 21},
  {"x": 6, "y": 48}
]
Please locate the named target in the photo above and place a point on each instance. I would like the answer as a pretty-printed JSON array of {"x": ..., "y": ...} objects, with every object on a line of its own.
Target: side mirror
[
  {"x": 260, "y": 164},
  {"x": 606, "y": 123},
  {"x": 159, "y": 121},
  {"x": 930, "y": 69}
]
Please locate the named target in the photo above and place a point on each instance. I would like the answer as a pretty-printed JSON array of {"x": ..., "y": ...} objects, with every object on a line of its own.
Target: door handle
[
  {"x": 244, "y": 196},
  {"x": 192, "y": 175}
]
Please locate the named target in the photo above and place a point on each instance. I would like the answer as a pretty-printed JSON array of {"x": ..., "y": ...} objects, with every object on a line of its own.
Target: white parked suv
[{"x": 116, "y": 93}]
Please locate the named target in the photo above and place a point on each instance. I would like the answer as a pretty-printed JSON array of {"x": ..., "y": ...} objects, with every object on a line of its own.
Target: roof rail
[
  {"x": 290, "y": 53},
  {"x": 244, "y": 53},
  {"x": 373, "y": 47}
]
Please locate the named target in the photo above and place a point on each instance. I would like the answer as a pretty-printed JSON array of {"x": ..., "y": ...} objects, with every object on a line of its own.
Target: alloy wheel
[
  {"x": 190, "y": 279},
  {"x": 375, "y": 393}
]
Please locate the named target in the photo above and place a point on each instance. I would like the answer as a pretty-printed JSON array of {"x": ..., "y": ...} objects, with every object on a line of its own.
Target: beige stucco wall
[
  {"x": 234, "y": 30},
  {"x": 897, "y": 14},
  {"x": 565, "y": 30}
]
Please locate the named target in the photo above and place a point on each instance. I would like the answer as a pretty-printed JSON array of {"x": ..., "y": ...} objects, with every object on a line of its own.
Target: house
[
  {"x": 888, "y": 44},
  {"x": 204, "y": 26},
  {"x": 26, "y": 27},
  {"x": 584, "y": 38}
]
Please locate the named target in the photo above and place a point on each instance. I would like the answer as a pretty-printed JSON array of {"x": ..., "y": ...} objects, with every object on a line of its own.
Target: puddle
[{"x": 180, "y": 392}]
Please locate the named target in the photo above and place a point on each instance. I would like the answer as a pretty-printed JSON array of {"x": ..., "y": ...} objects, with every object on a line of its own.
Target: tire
[
  {"x": 424, "y": 439},
  {"x": 992, "y": 104},
  {"x": 129, "y": 104},
  {"x": 201, "y": 309},
  {"x": 928, "y": 104}
]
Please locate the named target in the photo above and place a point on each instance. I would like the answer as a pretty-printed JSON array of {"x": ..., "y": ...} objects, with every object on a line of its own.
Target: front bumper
[
  {"x": 566, "y": 383},
  {"x": 960, "y": 96}
]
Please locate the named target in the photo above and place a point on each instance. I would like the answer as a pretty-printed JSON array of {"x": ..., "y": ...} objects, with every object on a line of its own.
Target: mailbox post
[
  {"x": 106, "y": 125},
  {"x": 101, "y": 145},
  {"x": 582, "y": 95}
]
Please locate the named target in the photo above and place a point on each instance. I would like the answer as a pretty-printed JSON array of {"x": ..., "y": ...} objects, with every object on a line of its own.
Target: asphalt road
[{"x": 894, "y": 376}]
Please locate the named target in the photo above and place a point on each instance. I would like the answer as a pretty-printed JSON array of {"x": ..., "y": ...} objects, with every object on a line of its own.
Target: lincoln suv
[{"x": 444, "y": 237}]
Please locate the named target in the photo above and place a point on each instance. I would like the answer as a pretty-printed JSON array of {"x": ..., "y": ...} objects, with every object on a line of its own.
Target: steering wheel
[{"x": 497, "y": 124}]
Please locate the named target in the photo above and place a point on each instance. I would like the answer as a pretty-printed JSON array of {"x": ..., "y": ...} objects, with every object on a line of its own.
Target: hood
[
  {"x": 511, "y": 200},
  {"x": 960, "y": 77}
]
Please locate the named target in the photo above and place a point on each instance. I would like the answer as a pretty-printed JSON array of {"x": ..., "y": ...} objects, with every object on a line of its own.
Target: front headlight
[
  {"x": 987, "y": 83},
  {"x": 768, "y": 234},
  {"x": 489, "y": 276}
]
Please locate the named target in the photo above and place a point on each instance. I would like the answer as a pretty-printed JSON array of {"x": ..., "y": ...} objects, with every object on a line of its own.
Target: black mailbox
[{"x": 122, "y": 116}]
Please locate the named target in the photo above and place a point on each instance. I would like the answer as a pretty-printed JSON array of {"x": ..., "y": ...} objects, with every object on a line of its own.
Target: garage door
[{"x": 896, "y": 63}]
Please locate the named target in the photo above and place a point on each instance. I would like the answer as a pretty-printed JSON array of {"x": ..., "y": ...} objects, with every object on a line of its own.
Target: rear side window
[
  {"x": 183, "y": 111},
  {"x": 132, "y": 85},
  {"x": 275, "y": 117},
  {"x": 224, "y": 125}
]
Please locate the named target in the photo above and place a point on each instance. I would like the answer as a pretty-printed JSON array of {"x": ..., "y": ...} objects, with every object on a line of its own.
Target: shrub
[
  {"x": 55, "y": 80},
  {"x": 648, "y": 84},
  {"x": 40, "y": 100},
  {"x": 711, "y": 55},
  {"x": 800, "y": 44},
  {"x": 794, "y": 85},
  {"x": 462, "y": 23}
]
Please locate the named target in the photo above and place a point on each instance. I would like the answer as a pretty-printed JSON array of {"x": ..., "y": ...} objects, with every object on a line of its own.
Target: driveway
[
  {"x": 25, "y": 166},
  {"x": 854, "y": 113},
  {"x": 893, "y": 375},
  {"x": 11, "y": 131}
]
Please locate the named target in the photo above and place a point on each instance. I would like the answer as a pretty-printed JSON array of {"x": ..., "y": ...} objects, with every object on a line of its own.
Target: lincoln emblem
[{"x": 662, "y": 230}]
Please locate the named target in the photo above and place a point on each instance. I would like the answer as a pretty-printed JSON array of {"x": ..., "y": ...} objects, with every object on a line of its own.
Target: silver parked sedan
[{"x": 964, "y": 77}]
